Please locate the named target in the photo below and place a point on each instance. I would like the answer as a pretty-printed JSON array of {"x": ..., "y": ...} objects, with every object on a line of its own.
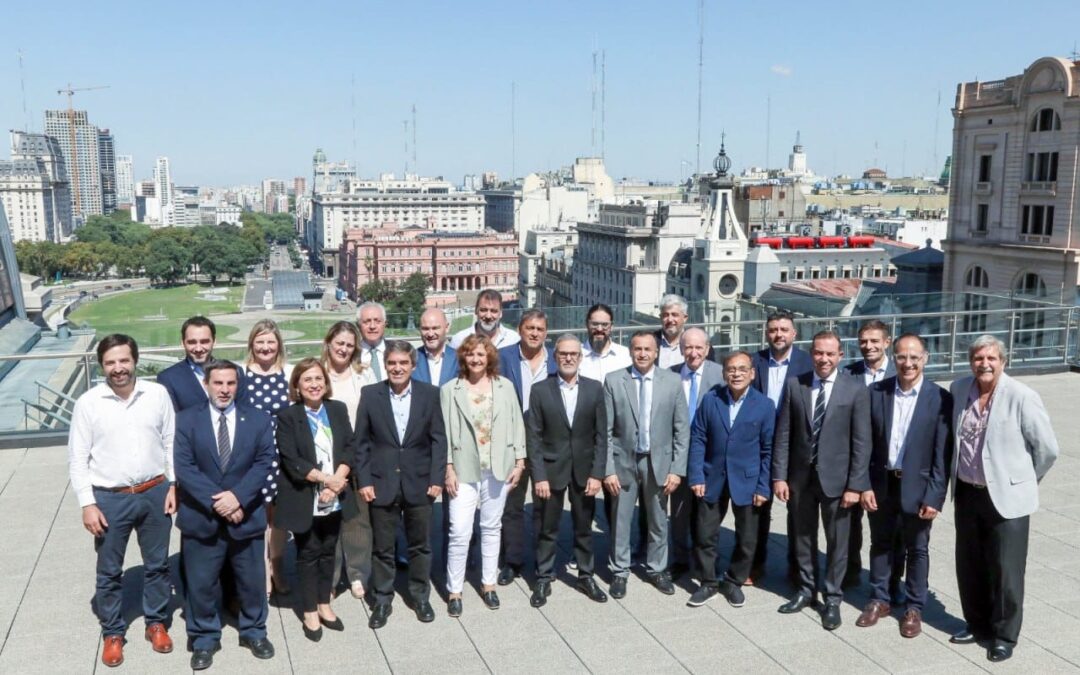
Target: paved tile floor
[{"x": 47, "y": 582}]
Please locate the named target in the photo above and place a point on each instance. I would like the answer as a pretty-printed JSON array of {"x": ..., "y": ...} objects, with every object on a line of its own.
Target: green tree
[
  {"x": 80, "y": 259},
  {"x": 401, "y": 300},
  {"x": 167, "y": 258},
  {"x": 40, "y": 258}
]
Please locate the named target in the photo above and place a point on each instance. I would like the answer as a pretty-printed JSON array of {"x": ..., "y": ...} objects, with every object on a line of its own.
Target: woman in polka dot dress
[{"x": 268, "y": 390}]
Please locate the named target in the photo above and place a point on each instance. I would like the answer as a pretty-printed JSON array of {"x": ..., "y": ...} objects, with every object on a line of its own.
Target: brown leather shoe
[
  {"x": 874, "y": 610},
  {"x": 911, "y": 624},
  {"x": 157, "y": 636},
  {"x": 112, "y": 654}
]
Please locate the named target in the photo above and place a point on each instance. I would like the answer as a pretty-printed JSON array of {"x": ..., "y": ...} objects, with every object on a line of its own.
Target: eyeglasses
[
  {"x": 568, "y": 355},
  {"x": 737, "y": 371},
  {"x": 603, "y": 325}
]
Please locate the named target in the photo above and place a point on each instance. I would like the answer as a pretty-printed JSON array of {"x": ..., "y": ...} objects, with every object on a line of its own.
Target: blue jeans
[{"x": 144, "y": 513}]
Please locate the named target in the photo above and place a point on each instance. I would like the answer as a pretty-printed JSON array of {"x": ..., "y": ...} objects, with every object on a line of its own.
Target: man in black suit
[
  {"x": 184, "y": 380},
  {"x": 909, "y": 464},
  {"x": 875, "y": 366},
  {"x": 566, "y": 437},
  {"x": 772, "y": 368},
  {"x": 223, "y": 452},
  {"x": 820, "y": 458},
  {"x": 401, "y": 466}
]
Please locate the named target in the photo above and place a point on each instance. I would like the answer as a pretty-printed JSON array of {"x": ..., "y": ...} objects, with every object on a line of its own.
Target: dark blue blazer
[
  {"x": 927, "y": 446},
  {"x": 510, "y": 366},
  {"x": 858, "y": 369},
  {"x": 739, "y": 455},
  {"x": 184, "y": 387},
  {"x": 449, "y": 367},
  {"x": 199, "y": 475},
  {"x": 799, "y": 363}
]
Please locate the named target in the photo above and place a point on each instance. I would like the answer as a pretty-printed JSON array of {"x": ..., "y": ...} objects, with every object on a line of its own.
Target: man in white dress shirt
[
  {"x": 488, "y": 322},
  {"x": 121, "y": 468},
  {"x": 601, "y": 356}
]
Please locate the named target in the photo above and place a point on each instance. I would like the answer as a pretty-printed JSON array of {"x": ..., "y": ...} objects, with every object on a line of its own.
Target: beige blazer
[{"x": 507, "y": 430}]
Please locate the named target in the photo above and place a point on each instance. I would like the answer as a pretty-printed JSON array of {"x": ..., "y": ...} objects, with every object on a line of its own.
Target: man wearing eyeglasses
[
  {"x": 601, "y": 356},
  {"x": 566, "y": 437},
  {"x": 730, "y": 460}
]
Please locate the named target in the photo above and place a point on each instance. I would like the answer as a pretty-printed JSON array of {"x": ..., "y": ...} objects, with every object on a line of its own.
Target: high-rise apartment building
[
  {"x": 163, "y": 191},
  {"x": 1013, "y": 217},
  {"x": 39, "y": 147},
  {"x": 78, "y": 140},
  {"x": 107, "y": 169},
  {"x": 125, "y": 180},
  {"x": 299, "y": 186},
  {"x": 271, "y": 188}
]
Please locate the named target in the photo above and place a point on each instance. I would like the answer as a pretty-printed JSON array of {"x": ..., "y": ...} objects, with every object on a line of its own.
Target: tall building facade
[
  {"x": 125, "y": 180},
  {"x": 299, "y": 186},
  {"x": 79, "y": 144},
  {"x": 1013, "y": 219},
  {"x": 27, "y": 196},
  {"x": 164, "y": 192},
  {"x": 45, "y": 149},
  {"x": 107, "y": 169}
]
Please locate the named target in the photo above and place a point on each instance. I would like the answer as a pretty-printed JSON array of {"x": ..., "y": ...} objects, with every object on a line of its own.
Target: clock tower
[{"x": 716, "y": 270}]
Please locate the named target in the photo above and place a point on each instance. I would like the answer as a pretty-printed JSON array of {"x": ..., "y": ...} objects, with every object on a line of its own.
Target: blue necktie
[
  {"x": 643, "y": 430},
  {"x": 693, "y": 394}
]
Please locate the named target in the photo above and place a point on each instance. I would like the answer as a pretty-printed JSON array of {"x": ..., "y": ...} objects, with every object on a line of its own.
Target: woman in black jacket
[{"x": 316, "y": 444}]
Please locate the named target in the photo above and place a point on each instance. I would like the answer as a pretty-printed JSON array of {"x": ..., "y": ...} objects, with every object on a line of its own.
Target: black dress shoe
[
  {"x": 491, "y": 599},
  {"x": 963, "y": 636},
  {"x": 999, "y": 652},
  {"x": 261, "y": 648},
  {"x": 424, "y": 612},
  {"x": 588, "y": 586},
  {"x": 663, "y": 583},
  {"x": 453, "y": 607},
  {"x": 201, "y": 659},
  {"x": 618, "y": 588},
  {"x": 508, "y": 574},
  {"x": 379, "y": 615},
  {"x": 798, "y": 603},
  {"x": 540, "y": 594},
  {"x": 830, "y": 618},
  {"x": 313, "y": 635},
  {"x": 333, "y": 625}
]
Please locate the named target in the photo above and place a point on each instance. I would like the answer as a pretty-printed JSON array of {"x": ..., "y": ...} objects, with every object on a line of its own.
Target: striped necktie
[
  {"x": 224, "y": 446},
  {"x": 819, "y": 419}
]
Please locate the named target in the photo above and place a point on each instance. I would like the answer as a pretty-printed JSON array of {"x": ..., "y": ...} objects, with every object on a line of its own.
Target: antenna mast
[
  {"x": 415, "y": 166},
  {"x": 700, "y": 76},
  {"x": 768, "y": 129},
  {"x": 22, "y": 84},
  {"x": 603, "y": 98},
  {"x": 937, "y": 121}
]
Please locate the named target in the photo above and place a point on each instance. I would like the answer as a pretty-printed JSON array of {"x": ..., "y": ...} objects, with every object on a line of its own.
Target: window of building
[
  {"x": 982, "y": 217},
  {"x": 815, "y": 274},
  {"x": 1046, "y": 120},
  {"x": 1037, "y": 220},
  {"x": 1041, "y": 166},
  {"x": 1030, "y": 284},
  {"x": 976, "y": 277},
  {"x": 984, "y": 168},
  {"x": 798, "y": 274}
]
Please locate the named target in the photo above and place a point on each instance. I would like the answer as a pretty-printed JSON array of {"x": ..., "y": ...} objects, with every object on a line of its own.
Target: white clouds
[{"x": 781, "y": 70}]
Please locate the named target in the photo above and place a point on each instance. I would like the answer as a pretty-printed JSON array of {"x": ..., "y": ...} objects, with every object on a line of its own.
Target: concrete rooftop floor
[{"x": 47, "y": 582}]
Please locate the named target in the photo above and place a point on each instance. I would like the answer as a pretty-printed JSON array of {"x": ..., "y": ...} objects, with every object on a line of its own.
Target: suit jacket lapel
[
  {"x": 388, "y": 410},
  {"x": 890, "y": 406},
  {"x": 921, "y": 401},
  {"x": 631, "y": 393},
  {"x": 806, "y": 386},
  {"x": 414, "y": 416},
  {"x": 211, "y": 436},
  {"x": 725, "y": 411}
]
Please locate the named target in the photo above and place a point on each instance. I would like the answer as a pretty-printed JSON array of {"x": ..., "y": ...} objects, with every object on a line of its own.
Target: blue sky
[{"x": 234, "y": 92}]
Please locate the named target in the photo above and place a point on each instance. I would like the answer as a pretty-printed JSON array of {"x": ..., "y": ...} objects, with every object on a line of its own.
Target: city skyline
[{"x": 251, "y": 95}]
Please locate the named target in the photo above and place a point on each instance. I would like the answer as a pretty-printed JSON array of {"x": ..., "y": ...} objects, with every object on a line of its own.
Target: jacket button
[{"x": 397, "y": 470}]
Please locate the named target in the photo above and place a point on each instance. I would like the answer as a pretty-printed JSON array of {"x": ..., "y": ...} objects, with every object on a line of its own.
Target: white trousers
[{"x": 490, "y": 493}]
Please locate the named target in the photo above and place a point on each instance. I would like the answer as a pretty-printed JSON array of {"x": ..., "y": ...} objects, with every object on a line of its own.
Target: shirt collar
[
  {"x": 914, "y": 390},
  {"x": 784, "y": 362},
  {"x": 669, "y": 345},
  {"x": 403, "y": 395},
  {"x": 563, "y": 384},
  {"x": 637, "y": 375},
  {"x": 871, "y": 369},
  {"x": 373, "y": 347},
  {"x": 831, "y": 379},
  {"x": 226, "y": 412},
  {"x": 108, "y": 392},
  {"x": 686, "y": 370}
]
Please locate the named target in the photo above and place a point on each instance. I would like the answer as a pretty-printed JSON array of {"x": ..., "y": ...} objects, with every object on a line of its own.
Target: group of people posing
[{"x": 349, "y": 452}]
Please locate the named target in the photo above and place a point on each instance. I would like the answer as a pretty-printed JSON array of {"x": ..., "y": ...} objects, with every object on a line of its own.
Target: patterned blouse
[
  {"x": 269, "y": 393},
  {"x": 481, "y": 412}
]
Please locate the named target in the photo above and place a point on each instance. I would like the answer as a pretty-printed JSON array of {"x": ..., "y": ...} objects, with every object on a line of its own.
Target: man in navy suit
[
  {"x": 184, "y": 379},
  {"x": 909, "y": 465},
  {"x": 223, "y": 452},
  {"x": 730, "y": 460},
  {"x": 525, "y": 364},
  {"x": 875, "y": 366},
  {"x": 436, "y": 361},
  {"x": 772, "y": 368}
]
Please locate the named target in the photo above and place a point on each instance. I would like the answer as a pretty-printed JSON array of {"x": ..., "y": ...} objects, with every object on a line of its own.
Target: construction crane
[{"x": 74, "y": 164}]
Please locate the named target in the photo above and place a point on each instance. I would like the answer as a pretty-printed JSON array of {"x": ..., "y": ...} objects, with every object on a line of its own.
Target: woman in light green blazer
[{"x": 486, "y": 438}]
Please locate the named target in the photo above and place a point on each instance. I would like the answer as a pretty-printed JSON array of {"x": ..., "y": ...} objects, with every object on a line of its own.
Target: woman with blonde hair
[
  {"x": 267, "y": 380},
  {"x": 486, "y": 437},
  {"x": 341, "y": 359}
]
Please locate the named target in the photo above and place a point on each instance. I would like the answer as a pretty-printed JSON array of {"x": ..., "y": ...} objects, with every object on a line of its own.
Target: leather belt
[
  {"x": 136, "y": 489},
  {"x": 971, "y": 485},
  {"x": 895, "y": 473}
]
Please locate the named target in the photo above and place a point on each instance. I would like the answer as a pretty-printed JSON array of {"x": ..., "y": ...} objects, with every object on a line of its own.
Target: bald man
[{"x": 436, "y": 362}]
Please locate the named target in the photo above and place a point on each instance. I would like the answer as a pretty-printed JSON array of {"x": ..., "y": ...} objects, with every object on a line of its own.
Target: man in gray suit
[
  {"x": 821, "y": 457},
  {"x": 698, "y": 375},
  {"x": 1004, "y": 445},
  {"x": 648, "y": 433}
]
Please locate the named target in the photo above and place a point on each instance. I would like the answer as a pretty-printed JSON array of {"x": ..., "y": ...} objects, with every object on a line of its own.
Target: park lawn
[{"x": 127, "y": 312}]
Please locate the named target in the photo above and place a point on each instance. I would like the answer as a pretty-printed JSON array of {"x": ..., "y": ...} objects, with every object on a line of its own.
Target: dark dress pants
[
  {"x": 515, "y": 540},
  {"x": 991, "y": 557},
  {"x": 315, "y": 560},
  {"x": 707, "y": 519},
  {"x": 203, "y": 562},
  {"x": 683, "y": 505},
  {"x": 384, "y": 522},
  {"x": 806, "y": 503},
  {"x": 764, "y": 524},
  {"x": 888, "y": 524},
  {"x": 145, "y": 514},
  {"x": 855, "y": 544},
  {"x": 582, "y": 510}
]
